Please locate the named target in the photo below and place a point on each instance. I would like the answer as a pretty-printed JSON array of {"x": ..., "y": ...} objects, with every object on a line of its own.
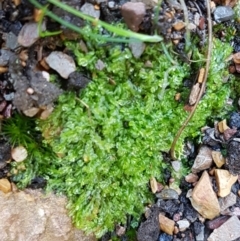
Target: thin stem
[{"x": 209, "y": 53}]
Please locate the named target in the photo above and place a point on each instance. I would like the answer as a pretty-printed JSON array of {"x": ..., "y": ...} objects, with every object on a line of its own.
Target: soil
[{"x": 23, "y": 74}]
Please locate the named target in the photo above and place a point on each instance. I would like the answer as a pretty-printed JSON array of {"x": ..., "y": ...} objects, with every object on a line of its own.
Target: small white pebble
[
  {"x": 30, "y": 91},
  {"x": 46, "y": 75}
]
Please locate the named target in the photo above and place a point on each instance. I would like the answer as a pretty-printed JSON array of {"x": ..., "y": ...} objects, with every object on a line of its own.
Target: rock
[
  {"x": 29, "y": 33},
  {"x": 206, "y": 205},
  {"x": 223, "y": 14},
  {"x": 194, "y": 94},
  {"x": 165, "y": 237},
  {"x": 5, "y": 186},
  {"x": 11, "y": 40},
  {"x": 137, "y": 48},
  {"x": 227, "y": 201},
  {"x": 203, "y": 160},
  {"x": 62, "y": 63},
  {"x": 5, "y": 55},
  {"x": 191, "y": 178},
  {"x": 236, "y": 60},
  {"x": 222, "y": 126},
  {"x": 233, "y": 155},
  {"x": 229, "y": 133},
  {"x": 32, "y": 215},
  {"x": 148, "y": 3},
  {"x": 191, "y": 27},
  {"x": 176, "y": 165},
  {"x": 183, "y": 225},
  {"x": 228, "y": 231},
  {"x": 200, "y": 235},
  {"x": 153, "y": 185},
  {"x": 217, "y": 222},
  {"x": 166, "y": 224},
  {"x": 149, "y": 230},
  {"x": 167, "y": 194},
  {"x": 218, "y": 158},
  {"x": 100, "y": 65},
  {"x": 19, "y": 153},
  {"x": 88, "y": 9},
  {"x": 5, "y": 153},
  {"x": 178, "y": 25},
  {"x": 234, "y": 121},
  {"x": 224, "y": 180},
  {"x": 31, "y": 112},
  {"x": 133, "y": 14}
]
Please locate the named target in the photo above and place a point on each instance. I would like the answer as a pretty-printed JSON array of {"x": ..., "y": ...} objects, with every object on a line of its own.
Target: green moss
[{"x": 109, "y": 139}]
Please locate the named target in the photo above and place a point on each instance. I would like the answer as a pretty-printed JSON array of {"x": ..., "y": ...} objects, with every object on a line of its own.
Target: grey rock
[
  {"x": 111, "y": 4},
  {"x": 11, "y": 40},
  {"x": 167, "y": 194},
  {"x": 89, "y": 9},
  {"x": 137, "y": 48},
  {"x": 223, "y": 13},
  {"x": 33, "y": 215},
  {"x": 5, "y": 55},
  {"x": 227, "y": 201},
  {"x": 62, "y": 63},
  {"x": 176, "y": 165},
  {"x": 183, "y": 224},
  {"x": 226, "y": 232},
  {"x": 133, "y": 14},
  {"x": 100, "y": 65},
  {"x": 203, "y": 160},
  {"x": 148, "y": 3},
  {"x": 200, "y": 236},
  {"x": 29, "y": 34}
]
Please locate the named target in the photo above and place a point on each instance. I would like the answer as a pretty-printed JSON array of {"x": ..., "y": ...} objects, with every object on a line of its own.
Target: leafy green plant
[
  {"x": 109, "y": 138},
  {"x": 20, "y": 130}
]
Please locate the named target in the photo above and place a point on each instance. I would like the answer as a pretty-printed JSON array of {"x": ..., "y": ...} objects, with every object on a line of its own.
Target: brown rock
[
  {"x": 154, "y": 185},
  {"x": 222, "y": 126},
  {"x": 237, "y": 66},
  {"x": 224, "y": 180},
  {"x": 32, "y": 215},
  {"x": 226, "y": 232},
  {"x": 194, "y": 94},
  {"x": 133, "y": 14},
  {"x": 166, "y": 224},
  {"x": 218, "y": 158},
  {"x": 229, "y": 133},
  {"x": 178, "y": 25},
  {"x": 191, "y": 178},
  {"x": 236, "y": 58},
  {"x": 204, "y": 199},
  {"x": 5, "y": 185},
  {"x": 203, "y": 160}
]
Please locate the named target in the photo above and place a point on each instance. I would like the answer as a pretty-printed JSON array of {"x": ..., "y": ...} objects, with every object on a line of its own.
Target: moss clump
[{"x": 109, "y": 139}]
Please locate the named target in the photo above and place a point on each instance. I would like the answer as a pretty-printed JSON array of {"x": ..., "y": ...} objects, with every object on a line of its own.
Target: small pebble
[
  {"x": 167, "y": 194},
  {"x": 223, "y": 14}
]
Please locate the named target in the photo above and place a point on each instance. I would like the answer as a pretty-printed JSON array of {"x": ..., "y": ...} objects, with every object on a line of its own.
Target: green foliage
[
  {"x": 20, "y": 130},
  {"x": 109, "y": 138}
]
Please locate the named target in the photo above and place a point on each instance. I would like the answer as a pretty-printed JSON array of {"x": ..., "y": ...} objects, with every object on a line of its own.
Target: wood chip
[{"x": 201, "y": 75}]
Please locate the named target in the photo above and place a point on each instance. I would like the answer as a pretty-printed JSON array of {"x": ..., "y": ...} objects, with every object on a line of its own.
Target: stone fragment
[
  {"x": 62, "y": 63},
  {"x": 203, "y": 160},
  {"x": 29, "y": 33},
  {"x": 228, "y": 201},
  {"x": 233, "y": 154},
  {"x": 11, "y": 40},
  {"x": 137, "y": 48},
  {"x": 183, "y": 225},
  {"x": 237, "y": 66},
  {"x": 133, "y": 14},
  {"x": 88, "y": 9},
  {"x": 222, "y": 126},
  {"x": 33, "y": 215},
  {"x": 176, "y": 165},
  {"x": 166, "y": 224},
  {"x": 194, "y": 94},
  {"x": 217, "y": 222},
  {"x": 31, "y": 112},
  {"x": 153, "y": 185},
  {"x": 226, "y": 232},
  {"x": 149, "y": 230},
  {"x": 5, "y": 186},
  {"x": 224, "y": 180},
  {"x": 100, "y": 65},
  {"x": 148, "y": 3},
  {"x": 218, "y": 158},
  {"x": 223, "y": 14},
  {"x": 191, "y": 27},
  {"x": 179, "y": 25},
  {"x": 167, "y": 194},
  {"x": 191, "y": 178},
  {"x": 236, "y": 58},
  {"x": 229, "y": 133},
  {"x": 19, "y": 153},
  {"x": 234, "y": 121},
  {"x": 206, "y": 205}
]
